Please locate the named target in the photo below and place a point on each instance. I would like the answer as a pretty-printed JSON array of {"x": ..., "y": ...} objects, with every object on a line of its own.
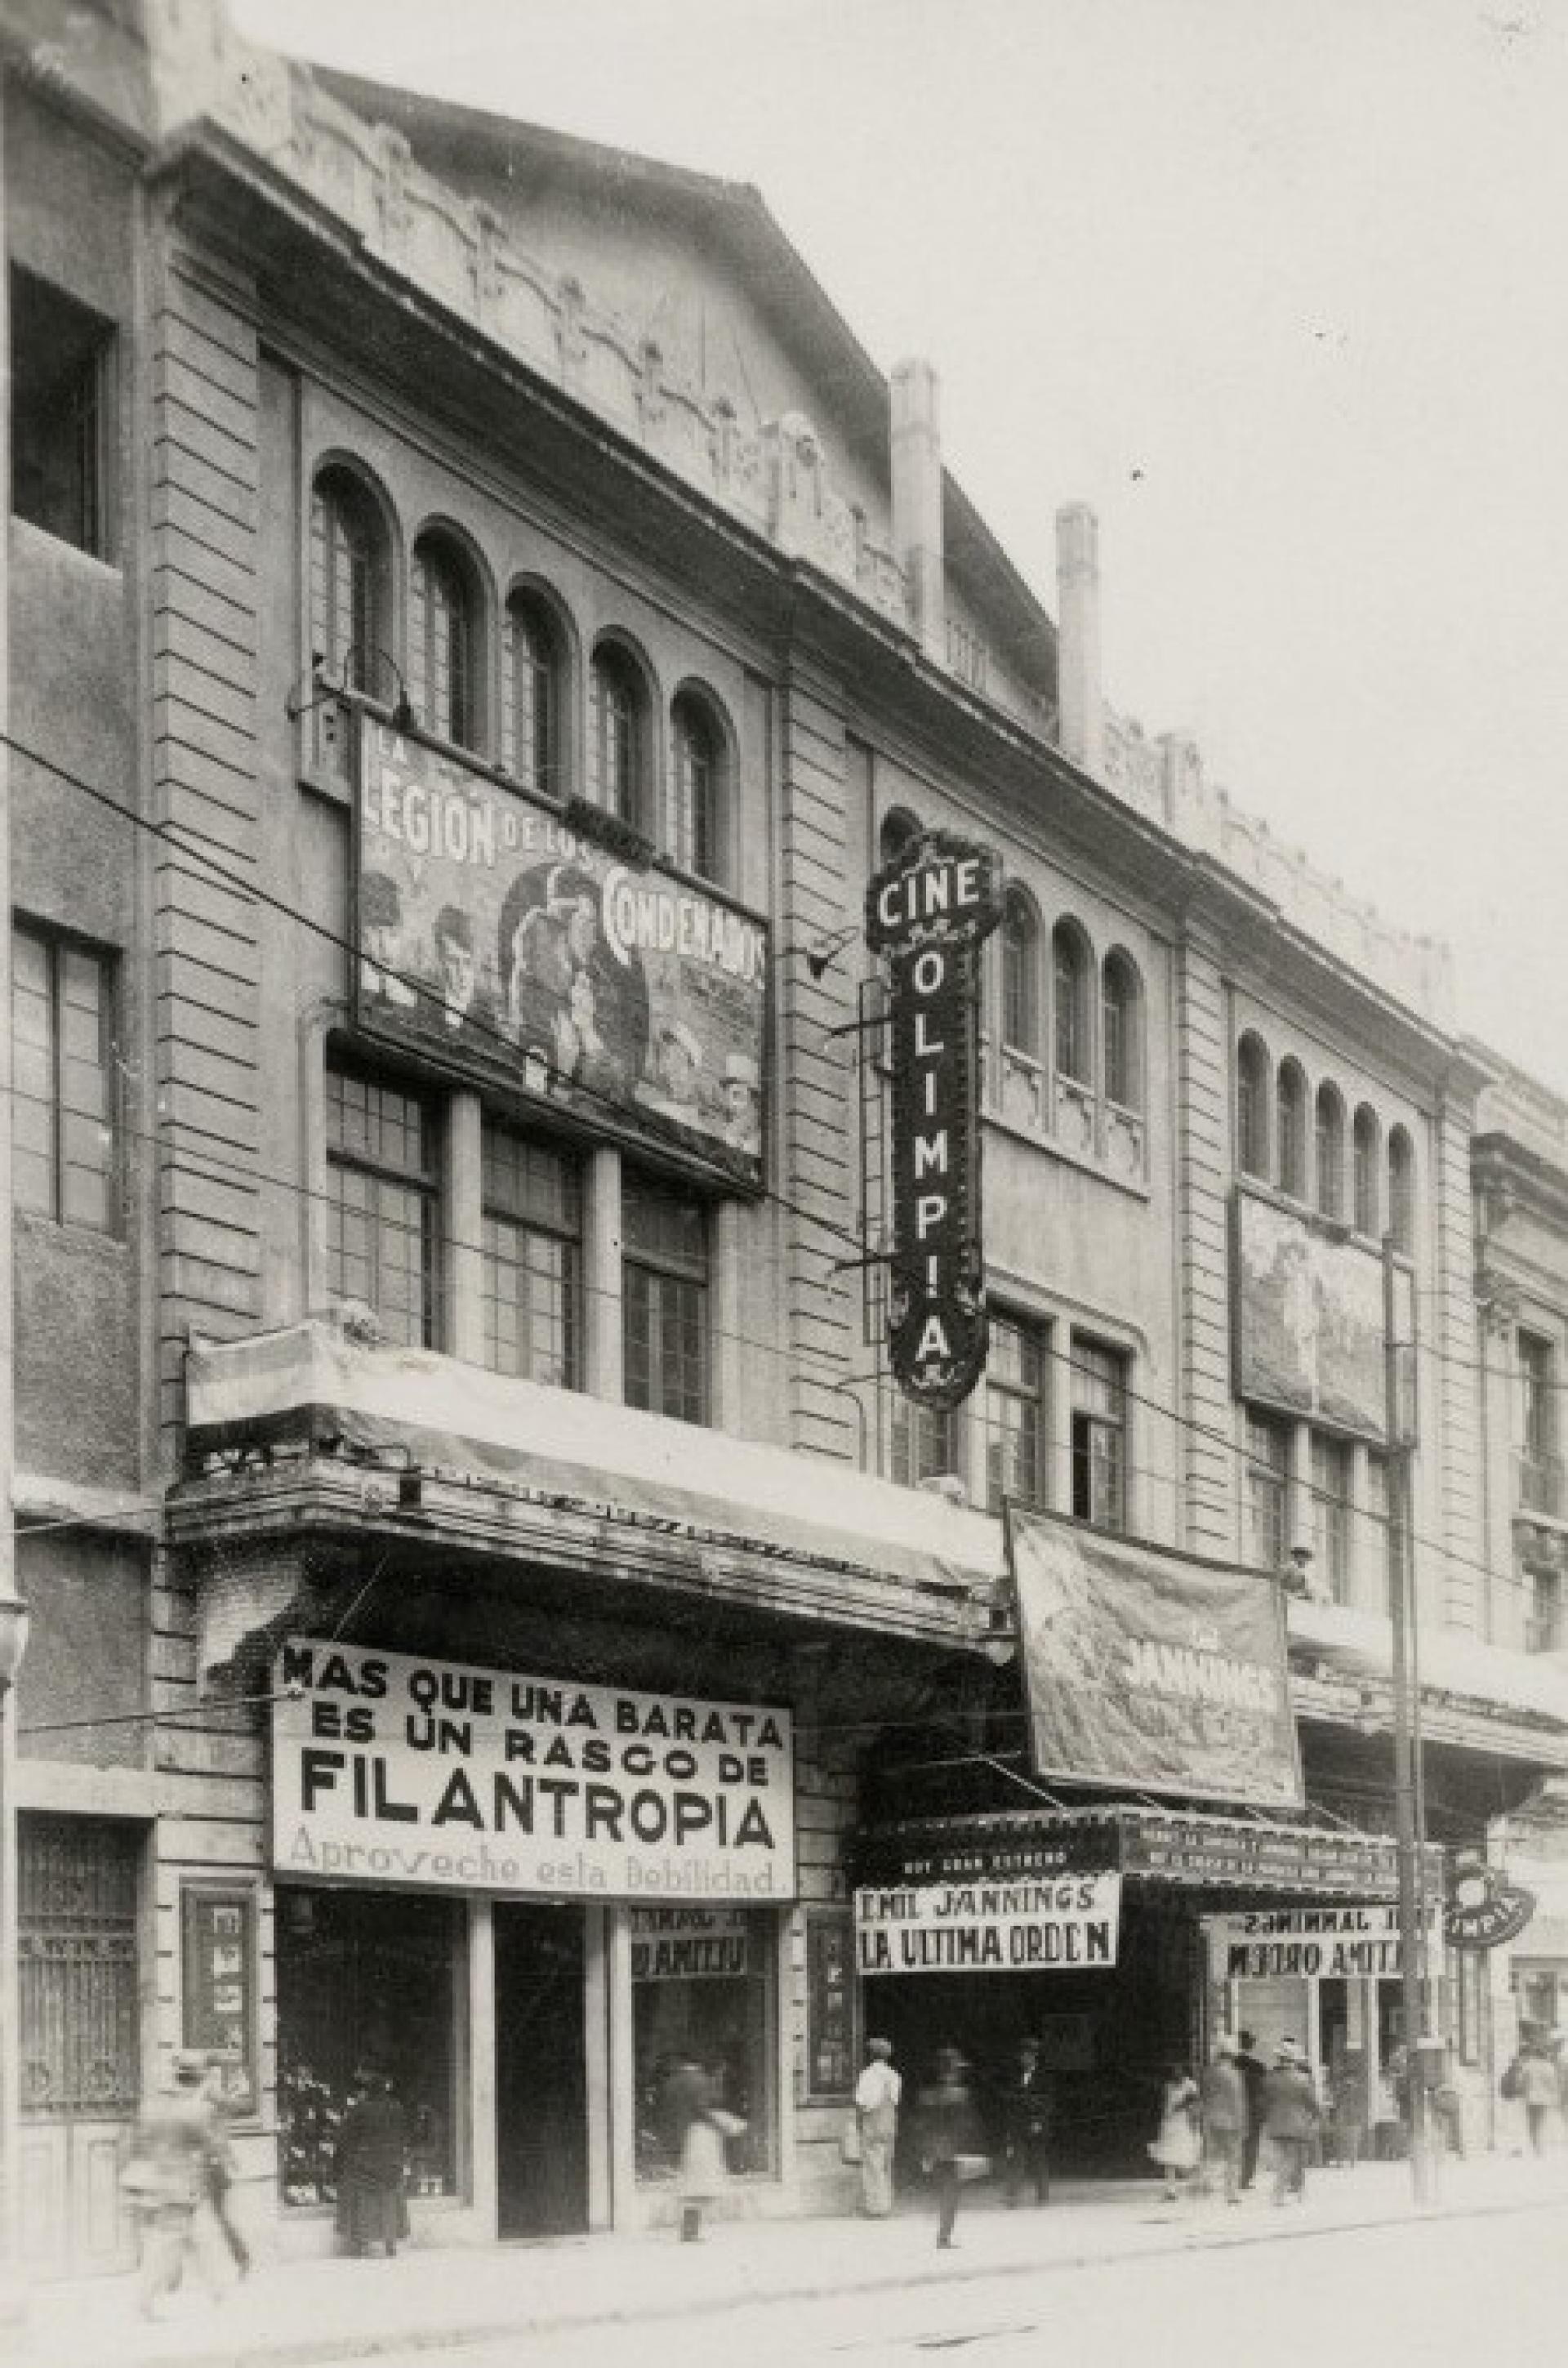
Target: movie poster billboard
[
  {"x": 1152, "y": 1671},
  {"x": 1308, "y": 1313},
  {"x": 494, "y": 939}
]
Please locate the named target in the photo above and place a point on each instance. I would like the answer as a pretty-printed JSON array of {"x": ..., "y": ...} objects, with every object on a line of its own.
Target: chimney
[
  {"x": 917, "y": 500},
  {"x": 1078, "y": 636}
]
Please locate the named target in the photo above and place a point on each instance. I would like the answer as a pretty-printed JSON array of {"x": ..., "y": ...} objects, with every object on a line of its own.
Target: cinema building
[{"x": 489, "y": 1611}]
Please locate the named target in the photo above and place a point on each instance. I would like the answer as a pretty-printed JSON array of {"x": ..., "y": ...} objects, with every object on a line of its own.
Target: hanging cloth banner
[
  {"x": 1065, "y": 1923},
  {"x": 1150, "y": 1670}
]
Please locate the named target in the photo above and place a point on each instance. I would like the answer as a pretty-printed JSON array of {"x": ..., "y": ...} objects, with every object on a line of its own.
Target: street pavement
[{"x": 649, "y": 2298}]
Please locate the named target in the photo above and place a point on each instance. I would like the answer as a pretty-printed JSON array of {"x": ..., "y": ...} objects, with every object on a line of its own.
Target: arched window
[
  {"x": 350, "y": 600},
  {"x": 1329, "y": 1151},
  {"x": 1401, "y": 1190},
  {"x": 1020, "y": 975},
  {"x": 1365, "y": 1140},
  {"x": 698, "y": 800},
  {"x": 1121, "y": 1049},
  {"x": 1292, "y": 1100},
  {"x": 899, "y": 827},
  {"x": 443, "y": 643},
  {"x": 1254, "y": 1069},
  {"x": 532, "y": 703},
  {"x": 620, "y": 735},
  {"x": 1070, "y": 990}
]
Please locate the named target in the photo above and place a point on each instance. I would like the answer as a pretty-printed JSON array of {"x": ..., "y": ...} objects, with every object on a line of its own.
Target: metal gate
[{"x": 80, "y": 2068}]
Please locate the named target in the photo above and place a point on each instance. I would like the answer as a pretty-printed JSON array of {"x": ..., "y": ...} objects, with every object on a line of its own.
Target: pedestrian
[
  {"x": 1532, "y": 2078},
  {"x": 1254, "y": 2072},
  {"x": 948, "y": 2136},
  {"x": 373, "y": 2153},
  {"x": 1174, "y": 2145},
  {"x": 877, "y": 2095},
  {"x": 218, "y": 2174},
  {"x": 165, "y": 2181},
  {"x": 1027, "y": 2105},
  {"x": 1223, "y": 2103},
  {"x": 1290, "y": 2116},
  {"x": 700, "y": 2128}
]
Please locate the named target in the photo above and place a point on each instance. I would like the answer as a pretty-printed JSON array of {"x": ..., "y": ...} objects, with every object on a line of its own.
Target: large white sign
[
  {"x": 1056, "y": 1921},
  {"x": 1309, "y": 1944},
  {"x": 392, "y": 1771}
]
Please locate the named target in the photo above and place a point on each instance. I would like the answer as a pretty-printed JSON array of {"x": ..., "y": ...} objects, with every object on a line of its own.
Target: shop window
[
  {"x": 62, "y": 416},
  {"x": 619, "y": 736},
  {"x": 444, "y": 642},
  {"x": 922, "y": 1441},
  {"x": 1099, "y": 1435},
  {"x": 664, "y": 1299},
  {"x": 533, "y": 700},
  {"x": 63, "y": 1148},
  {"x": 1020, "y": 975},
  {"x": 1383, "y": 1534},
  {"x": 533, "y": 1244},
  {"x": 1328, "y": 1144},
  {"x": 1292, "y": 1125},
  {"x": 1070, "y": 990},
  {"x": 699, "y": 799},
  {"x": 1401, "y": 1191},
  {"x": 721, "y": 2018},
  {"x": 1331, "y": 1515},
  {"x": 1366, "y": 1142},
  {"x": 350, "y": 600},
  {"x": 1267, "y": 1491},
  {"x": 1121, "y": 1048},
  {"x": 382, "y": 1207},
  {"x": 367, "y": 1982},
  {"x": 1015, "y": 1413},
  {"x": 1252, "y": 1072}
]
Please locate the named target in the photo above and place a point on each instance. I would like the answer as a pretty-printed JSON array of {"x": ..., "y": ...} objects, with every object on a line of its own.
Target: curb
[{"x": 295, "y": 2352}]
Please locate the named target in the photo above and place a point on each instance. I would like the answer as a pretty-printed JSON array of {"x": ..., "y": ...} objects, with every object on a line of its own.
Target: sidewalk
[{"x": 301, "y": 2312}]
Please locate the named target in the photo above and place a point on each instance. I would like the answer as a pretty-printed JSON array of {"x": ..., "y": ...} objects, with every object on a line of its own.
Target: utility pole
[{"x": 1408, "y": 1793}]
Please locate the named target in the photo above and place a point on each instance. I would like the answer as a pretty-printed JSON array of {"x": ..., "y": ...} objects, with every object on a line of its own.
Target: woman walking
[{"x": 1177, "y": 2147}]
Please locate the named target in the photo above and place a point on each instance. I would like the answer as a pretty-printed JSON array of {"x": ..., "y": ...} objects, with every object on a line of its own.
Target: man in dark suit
[{"x": 1255, "y": 2072}]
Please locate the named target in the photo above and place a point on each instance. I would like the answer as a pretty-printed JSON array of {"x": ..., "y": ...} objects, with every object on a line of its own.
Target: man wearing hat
[
  {"x": 877, "y": 2094},
  {"x": 1224, "y": 2097},
  {"x": 1290, "y": 2116}
]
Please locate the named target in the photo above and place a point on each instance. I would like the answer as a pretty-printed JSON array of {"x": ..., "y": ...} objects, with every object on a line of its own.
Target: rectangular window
[
  {"x": 1543, "y": 1624},
  {"x": 60, "y": 415},
  {"x": 1099, "y": 1434},
  {"x": 720, "y": 2017},
  {"x": 1383, "y": 1546},
  {"x": 1538, "y": 1490},
  {"x": 382, "y": 1205},
  {"x": 1331, "y": 1515},
  {"x": 922, "y": 1441},
  {"x": 63, "y": 1151},
  {"x": 533, "y": 1244},
  {"x": 1267, "y": 1491},
  {"x": 665, "y": 1299},
  {"x": 1015, "y": 1413}
]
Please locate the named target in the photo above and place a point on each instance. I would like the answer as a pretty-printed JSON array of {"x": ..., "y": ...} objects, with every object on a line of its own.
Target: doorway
[{"x": 542, "y": 2119}]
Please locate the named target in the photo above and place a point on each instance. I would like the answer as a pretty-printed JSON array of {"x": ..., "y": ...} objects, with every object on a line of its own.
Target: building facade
[{"x": 453, "y": 706}]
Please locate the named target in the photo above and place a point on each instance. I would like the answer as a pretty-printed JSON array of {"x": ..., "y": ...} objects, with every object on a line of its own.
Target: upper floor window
[
  {"x": 1121, "y": 1051},
  {"x": 1331, "y": 1513},
  {"x": 532, "y": 704},
  {"x": 1267, "y": 1490},
  {"x": 664, "y": 1299},
  {"x": 1538, "y": 1423},
  {"x": 1252, "y": 1072},
  {"x": 533, "y": 1252},
  {"x": 382, "y": 1208},
  {"x": 62, "y": 416},
  {"x": 63, "y": 1102},
  {"x": 1015, "y": 1413},
  {"x": 1292, "y": 1124},
  {"x": 1328, "y": 1140},
  {"x": 1401, "y": 1191},
  {"x": 349, "y": 600},
  {"x": 922, "y": 1442},
  {"x": 1382, "y": 1527},
  {"x": 698, "y": 799},
  {"x": 1020, "y": 975},
  {"x": 1365, "y": 1160},
  {"x": 444, "y": 653},
  {"x": 1099, "y": 1434},
  {"x": 1070, "y": 989},
  {"x": 620, "y": 735}
]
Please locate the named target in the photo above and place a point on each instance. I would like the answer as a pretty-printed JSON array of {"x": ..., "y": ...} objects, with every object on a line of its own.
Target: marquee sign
[
  {"x": 1062, "y": 1923},
  {"x": 928, "y": 912},
  {"x": 431, "y": 1775},
  {"x": 1310, "y": 1944}
]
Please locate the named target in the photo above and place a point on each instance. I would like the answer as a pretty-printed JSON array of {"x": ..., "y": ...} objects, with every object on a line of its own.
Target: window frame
[
  {"x": 1328, "y": 1151},
  {"x": 1266, "y": 1472},
  {"x": 56, "y": 948},
  {"x": 1020, "y": 1002},
  {"x": 669, "y": 1276},
  {"x": 1091, "y": 1429},
  {"x": 1332, "y": 1474},
  {"x": 1291, "y": 1103},
  {"x": 1399, "y": 1164},
  {"x": 1365, "y": 1172},
  {"x": 1004, "y": 1392},
  {"x": 93, "y": 374},
  {"x": 1072, "y": 1028},
  {"x": 1121, "y": 1032},
  {"x": 425, "y": 1184},
  {"x": 1255, "y": 1078},
  {"x": 441, "y": 561},
  {"x": 529, "y": 1226},
  {"x": 529, "y": 612},
  {"x": 695, "y": 716},
  {"x": 629, "y": 798}
]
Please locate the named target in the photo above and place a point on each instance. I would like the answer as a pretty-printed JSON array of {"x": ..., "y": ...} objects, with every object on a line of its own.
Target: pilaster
[{"x": 1202, "y": 1246}]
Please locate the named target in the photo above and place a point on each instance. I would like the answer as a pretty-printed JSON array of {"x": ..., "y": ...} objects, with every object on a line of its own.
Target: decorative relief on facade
[{"x": 1075, "y": 1117}]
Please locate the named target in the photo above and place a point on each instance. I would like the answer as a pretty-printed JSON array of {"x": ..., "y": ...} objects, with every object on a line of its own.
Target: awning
[{"x": 1193, "y": 1848}]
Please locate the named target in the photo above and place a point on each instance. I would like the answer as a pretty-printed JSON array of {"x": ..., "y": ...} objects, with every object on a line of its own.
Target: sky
[{"x": 1276, "y": 286}]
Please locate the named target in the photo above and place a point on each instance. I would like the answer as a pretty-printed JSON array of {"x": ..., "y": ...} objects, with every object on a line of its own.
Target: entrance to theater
[{"x": 541, "y": 2127}]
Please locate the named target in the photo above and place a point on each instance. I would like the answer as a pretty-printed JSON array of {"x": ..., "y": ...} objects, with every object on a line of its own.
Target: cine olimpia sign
[{"x": 929, "y": 912}]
